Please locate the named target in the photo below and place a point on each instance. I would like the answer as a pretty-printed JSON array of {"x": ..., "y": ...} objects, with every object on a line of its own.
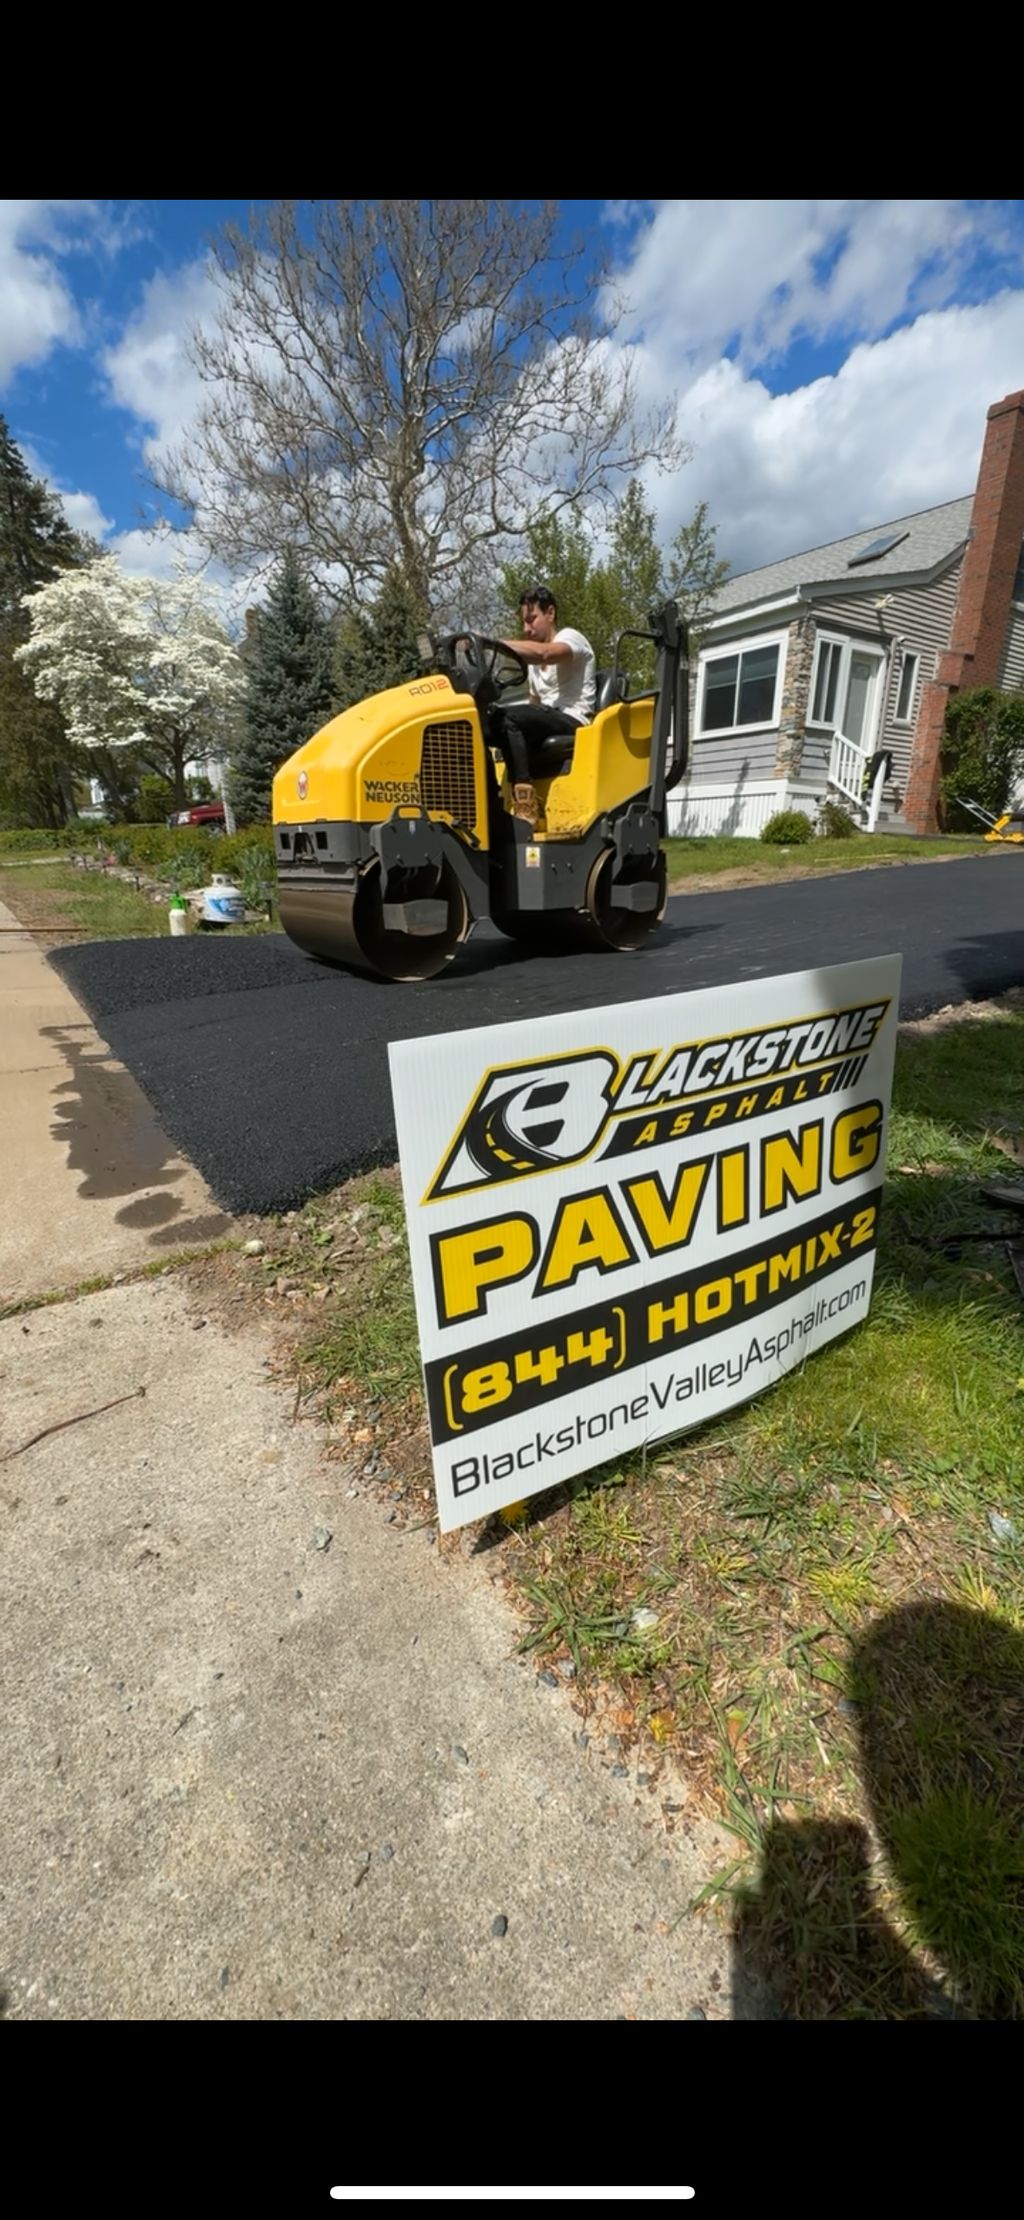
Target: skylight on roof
[{"x": 875, "y": 548}]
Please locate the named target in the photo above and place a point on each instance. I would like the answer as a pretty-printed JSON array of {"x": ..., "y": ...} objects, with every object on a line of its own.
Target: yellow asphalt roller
[{"x": 393, "y": 827}]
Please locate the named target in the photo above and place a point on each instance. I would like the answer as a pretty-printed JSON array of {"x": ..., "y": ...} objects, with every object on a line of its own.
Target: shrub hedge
[
  {"x": 161, "y": 849},
  {"x": 786, "y": 829}
]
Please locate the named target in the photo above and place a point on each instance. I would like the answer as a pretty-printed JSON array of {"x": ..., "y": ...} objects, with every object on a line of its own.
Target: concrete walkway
[
  {"x": 248, "y": 1776},
  {"x": 99, "y": 1187}
]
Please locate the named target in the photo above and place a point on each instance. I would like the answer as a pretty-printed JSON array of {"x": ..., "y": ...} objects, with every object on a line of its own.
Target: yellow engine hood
[{"x": 366, "y": 762}]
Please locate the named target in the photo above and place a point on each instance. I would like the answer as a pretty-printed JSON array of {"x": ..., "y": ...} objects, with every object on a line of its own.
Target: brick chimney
[{"x": 975, "y": 651}]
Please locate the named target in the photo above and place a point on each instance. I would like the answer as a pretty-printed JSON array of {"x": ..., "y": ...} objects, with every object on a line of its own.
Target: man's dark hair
[{"x": 541, "y": 595}]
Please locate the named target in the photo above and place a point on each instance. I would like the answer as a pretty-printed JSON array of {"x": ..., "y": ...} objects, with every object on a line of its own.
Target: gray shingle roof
[{"x": 933, "y": 535}]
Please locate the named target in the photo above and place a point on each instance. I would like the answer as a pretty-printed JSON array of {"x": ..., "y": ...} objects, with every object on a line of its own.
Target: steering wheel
[{"x": 480, "y": 656}]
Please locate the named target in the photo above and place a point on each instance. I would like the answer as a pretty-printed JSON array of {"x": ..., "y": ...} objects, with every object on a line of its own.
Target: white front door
[{"x": 858, "y": 718}]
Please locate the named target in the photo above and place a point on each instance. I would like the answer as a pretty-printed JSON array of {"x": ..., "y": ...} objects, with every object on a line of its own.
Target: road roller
[{"x": 394, "y": 831}]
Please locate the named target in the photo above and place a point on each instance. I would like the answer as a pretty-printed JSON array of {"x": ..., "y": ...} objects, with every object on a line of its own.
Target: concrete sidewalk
[
  {"x": 247, "y": 1775},
  {"x": 99, "y": 1187}
]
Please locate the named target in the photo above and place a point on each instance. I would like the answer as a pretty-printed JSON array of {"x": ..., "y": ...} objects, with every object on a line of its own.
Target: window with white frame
[
  {"x": 740, "y": 687},
  {"x": 825, "y": 691},
  {"x": 907, "y": 689}
]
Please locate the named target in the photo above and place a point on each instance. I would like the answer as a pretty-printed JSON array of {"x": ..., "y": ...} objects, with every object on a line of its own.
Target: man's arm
[{"x": 541, "y": 651}]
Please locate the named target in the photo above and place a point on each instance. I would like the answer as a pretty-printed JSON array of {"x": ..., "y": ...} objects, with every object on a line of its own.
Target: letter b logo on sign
[{"x": 531, "y": 1118}]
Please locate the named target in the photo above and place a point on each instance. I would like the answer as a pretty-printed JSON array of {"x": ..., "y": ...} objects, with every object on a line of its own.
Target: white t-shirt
[{"x": 569, "y": 686}]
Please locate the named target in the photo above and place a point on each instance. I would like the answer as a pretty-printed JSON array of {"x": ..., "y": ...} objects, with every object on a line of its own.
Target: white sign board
[{"x": 622, "y": 1221}]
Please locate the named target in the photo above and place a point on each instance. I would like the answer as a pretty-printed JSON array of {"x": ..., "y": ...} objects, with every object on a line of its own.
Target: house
[{"x": 828, "y": 674}]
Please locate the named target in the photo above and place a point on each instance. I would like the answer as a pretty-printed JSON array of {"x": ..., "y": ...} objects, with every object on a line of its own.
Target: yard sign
[{"x": 625, "y": 1220}]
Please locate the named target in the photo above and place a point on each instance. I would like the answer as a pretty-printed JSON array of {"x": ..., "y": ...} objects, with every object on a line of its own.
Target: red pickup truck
[{"x": 204, "y": 813}]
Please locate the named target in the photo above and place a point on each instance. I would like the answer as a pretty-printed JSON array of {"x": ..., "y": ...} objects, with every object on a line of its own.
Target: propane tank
[{"x": 220, "y": 903}]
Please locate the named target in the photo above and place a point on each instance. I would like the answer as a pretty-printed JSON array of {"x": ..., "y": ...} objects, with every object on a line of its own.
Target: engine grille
[{"x": 446, "y": 771}]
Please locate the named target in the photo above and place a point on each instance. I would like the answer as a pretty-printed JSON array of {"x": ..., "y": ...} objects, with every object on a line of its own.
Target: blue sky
[{"x": 831, "y": 362}]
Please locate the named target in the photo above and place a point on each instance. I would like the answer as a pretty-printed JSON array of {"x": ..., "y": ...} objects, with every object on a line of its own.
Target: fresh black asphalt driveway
[{"x": 270, "y": 1070}]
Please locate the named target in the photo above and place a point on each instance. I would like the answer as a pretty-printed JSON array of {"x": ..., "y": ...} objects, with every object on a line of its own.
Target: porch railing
[
  {"x": 848, "y": 768},
  {"x": 847, "y": 765}
]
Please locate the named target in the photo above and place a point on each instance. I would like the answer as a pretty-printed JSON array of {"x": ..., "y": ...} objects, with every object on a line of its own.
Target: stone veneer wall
[{"x": 795, "y": 690}]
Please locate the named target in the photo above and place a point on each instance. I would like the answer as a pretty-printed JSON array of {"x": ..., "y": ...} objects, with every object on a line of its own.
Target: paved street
[{"x": 270, "y": 1071}]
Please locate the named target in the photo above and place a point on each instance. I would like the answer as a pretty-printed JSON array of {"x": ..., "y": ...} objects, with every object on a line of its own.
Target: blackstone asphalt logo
[
  {"x": 537, "y": 1117},
  {"x": 530, "y": 1118}
]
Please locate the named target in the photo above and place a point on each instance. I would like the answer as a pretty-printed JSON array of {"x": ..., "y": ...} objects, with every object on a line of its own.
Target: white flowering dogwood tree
[{"x": 138, "y": 663}]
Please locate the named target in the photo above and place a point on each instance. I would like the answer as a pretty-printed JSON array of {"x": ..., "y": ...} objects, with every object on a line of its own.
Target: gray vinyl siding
[
  {"x": 922, "y": 616},
  {"x": 919, "y": 616},
  {"x": 814, "y": 757},
  {"x": 925, "y": 619},
  {"x": 1011, "y": 675},
  {"x": 854, "y": 615},
  {"x": 748, "y": 755}
]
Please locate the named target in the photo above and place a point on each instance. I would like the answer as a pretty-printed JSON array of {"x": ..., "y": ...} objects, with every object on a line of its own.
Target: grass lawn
[
  {"x": 757, "y": 859},
  {"x": 830, "y": 1582},
  {"x": 62, "y": 905}
]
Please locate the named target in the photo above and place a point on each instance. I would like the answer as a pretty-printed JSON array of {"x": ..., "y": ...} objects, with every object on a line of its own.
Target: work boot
[{"x": 526, "y": 805}]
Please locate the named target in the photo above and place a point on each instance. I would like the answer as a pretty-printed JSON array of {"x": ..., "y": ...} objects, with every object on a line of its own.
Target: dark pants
[{"x": 517, "y": 731}]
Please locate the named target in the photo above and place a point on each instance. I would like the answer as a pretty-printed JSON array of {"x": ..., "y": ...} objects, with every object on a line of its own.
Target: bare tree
[{"x": 401, "y": 386}]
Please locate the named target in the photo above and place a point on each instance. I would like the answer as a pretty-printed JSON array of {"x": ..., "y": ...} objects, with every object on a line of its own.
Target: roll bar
[{"x": 671, "y": 694}]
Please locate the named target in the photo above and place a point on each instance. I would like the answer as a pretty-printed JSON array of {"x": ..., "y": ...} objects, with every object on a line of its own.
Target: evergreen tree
[
  {"x": 618, "y": 593},
  {"x": 632, "y": 583},
  {"x": 36, "y": 540},
  {"x": 598, "y": 598},
  {"x": 559, "y": 555},
  {"x": 37, "y": 776},
  {"x": 695, "y": 572},
  {"x": 635, "y": 561},
  {"x": 289, "y": 689},
  {"x": 378, "y": 649}
]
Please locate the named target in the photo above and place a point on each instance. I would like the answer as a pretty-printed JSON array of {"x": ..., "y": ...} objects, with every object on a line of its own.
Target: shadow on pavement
[
  {"x": 989, "y": 963},
  {"x": 489, "y": 952}
]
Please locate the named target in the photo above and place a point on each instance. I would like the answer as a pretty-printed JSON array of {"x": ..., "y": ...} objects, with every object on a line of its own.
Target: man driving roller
[{"x": 562, "y": 683}]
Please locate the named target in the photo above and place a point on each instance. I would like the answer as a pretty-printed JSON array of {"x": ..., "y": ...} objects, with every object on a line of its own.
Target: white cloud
[
  {"x": 83, "y": 511},
  {"x": 153, "y": 554},
  {"x": 37, "y": 308},
  {"x": 900, "y": 427},
  {"x": 162, "y": 552},
  {"x": 718, "y": 292},
  {"x": 750, "y": 276},
  {"x": 149, "y": 370},
  {"x": 157, "y": 551},
  {"x": 84, "y": 514}
]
